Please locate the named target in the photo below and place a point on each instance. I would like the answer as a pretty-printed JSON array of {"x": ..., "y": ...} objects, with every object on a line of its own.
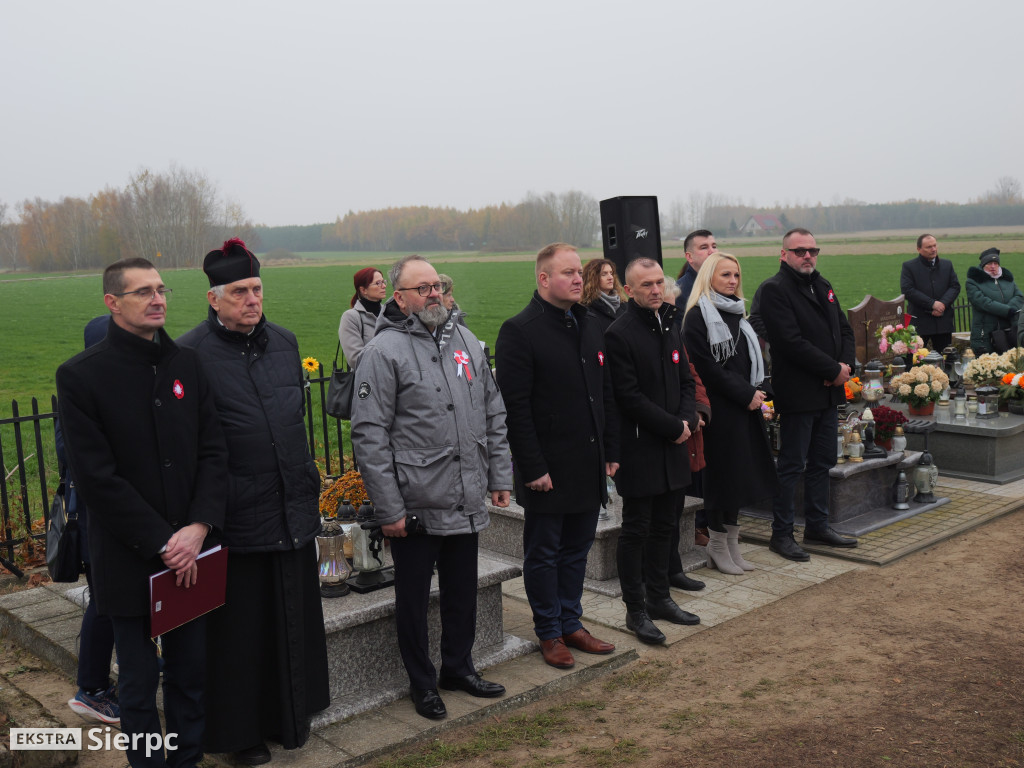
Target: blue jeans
[
  {"x": 808, "y": 447},
  {"x": 555, "y": 549}
]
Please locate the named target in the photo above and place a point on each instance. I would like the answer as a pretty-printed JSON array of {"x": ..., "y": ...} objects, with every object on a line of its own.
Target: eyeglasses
[
  {"x": 424, "y": 290},
  {"x": 380, "y": 283},
  {"x": 147, "y": 294},
  {"x": 801, "y": 251}
]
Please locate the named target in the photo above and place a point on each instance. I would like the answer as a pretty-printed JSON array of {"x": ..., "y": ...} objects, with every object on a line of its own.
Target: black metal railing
[
  {"x": 961, "y": 316},
  {"x": 28, "y": 498},
  {"x": 29, "y": 461}
]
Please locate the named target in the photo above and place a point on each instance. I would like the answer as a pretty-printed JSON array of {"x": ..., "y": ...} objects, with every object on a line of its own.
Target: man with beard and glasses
[{"x": 428, "y": 425}]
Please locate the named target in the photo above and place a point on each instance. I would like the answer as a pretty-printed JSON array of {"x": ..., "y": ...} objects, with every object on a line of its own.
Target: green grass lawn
[{"x": 43, "y": 319}]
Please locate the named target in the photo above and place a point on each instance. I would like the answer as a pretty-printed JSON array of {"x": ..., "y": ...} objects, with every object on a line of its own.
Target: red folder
[{"x": 170, "y": 606}]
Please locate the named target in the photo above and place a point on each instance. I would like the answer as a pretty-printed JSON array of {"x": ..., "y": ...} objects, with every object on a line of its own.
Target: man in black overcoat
[
  {"x": 655, "y": 395},
  {"x": 553, "y": 375},
  {"x": 812, "y": 356},
  {"x": 267, "y": 652},
  {"x": 147, "y": 452},
  {"x": 930, "y": 286}
]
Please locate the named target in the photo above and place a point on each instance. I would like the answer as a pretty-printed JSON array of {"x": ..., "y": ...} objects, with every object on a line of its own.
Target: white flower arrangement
[{"x": 920, "y": 385}]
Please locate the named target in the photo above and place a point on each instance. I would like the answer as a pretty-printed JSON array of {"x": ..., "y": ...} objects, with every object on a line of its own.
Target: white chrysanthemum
[
  {"x": 922, "y": 390},
  {"x": 937, "y": 386},
  {"x": 904, "y": 390}
]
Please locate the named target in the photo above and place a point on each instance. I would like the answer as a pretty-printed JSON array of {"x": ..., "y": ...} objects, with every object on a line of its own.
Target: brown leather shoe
[
  {"x": 586, "y": 642},
  {"x": 556, "y": 654},
  {"x": 700, "y": 537}
]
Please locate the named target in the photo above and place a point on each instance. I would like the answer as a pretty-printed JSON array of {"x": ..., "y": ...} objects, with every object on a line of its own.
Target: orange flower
[{"x": 1008, "y": 378}]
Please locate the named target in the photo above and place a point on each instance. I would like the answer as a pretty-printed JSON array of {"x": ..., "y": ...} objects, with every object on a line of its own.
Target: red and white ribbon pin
[{"x": 462, "y": 360}]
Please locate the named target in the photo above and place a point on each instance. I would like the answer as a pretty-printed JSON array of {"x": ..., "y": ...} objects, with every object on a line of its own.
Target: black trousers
[
  {"x": 938, "y": 341},
  {"x": 456, "y": 560},
  {"x": 808, "y": 449},
  {"x": 184, "y": 654},
  {"x": 95, "y": 644},
  {"x": 643, "y": 551}
]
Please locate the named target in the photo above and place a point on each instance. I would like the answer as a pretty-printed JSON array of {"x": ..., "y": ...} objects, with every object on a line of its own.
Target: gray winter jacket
[
  {"x": 354, "y": 332},
  {"x": 429, "y": 431}
]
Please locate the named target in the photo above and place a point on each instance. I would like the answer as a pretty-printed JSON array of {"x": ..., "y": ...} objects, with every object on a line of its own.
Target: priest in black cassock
[{"x": 267, "y": 653}]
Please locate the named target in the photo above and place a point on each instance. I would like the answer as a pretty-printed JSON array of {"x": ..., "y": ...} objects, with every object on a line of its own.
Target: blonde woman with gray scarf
[{"x": 724, "y": 349}]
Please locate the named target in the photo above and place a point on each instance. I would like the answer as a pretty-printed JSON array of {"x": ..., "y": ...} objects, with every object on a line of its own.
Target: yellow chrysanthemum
[{"x": 311, "y": 365}]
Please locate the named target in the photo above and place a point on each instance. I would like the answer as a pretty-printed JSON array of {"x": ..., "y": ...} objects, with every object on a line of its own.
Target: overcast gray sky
[{"x": 303, "y": 110}]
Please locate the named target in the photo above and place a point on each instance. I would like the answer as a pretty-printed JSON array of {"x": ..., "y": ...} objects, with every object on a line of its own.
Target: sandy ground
[{"x": 920, "y": 663}]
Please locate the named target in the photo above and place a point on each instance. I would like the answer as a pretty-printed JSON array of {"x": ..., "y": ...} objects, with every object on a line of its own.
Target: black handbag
[
  {"x": 62, "y": 550},
  {"x": 1004, "y": 339},
  {"x": 339, "y": 389}
]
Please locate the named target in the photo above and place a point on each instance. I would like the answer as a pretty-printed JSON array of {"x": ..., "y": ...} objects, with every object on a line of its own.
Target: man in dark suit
[
  {"x": 930, "y": 287},
  {"x": 552, "y": 372},
  {"x": 655, "y": 395},
  {"x": 812, "y": 355},
  {"x": 146, "y": 448}
]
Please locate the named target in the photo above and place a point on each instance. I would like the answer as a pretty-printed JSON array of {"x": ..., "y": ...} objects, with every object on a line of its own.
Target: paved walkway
[{"x": 365, "y": 737}]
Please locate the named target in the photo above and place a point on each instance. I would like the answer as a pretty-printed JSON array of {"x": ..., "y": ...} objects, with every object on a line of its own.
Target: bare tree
[
  {"x": 579, "y": 214},
  {"x": 1007, "y": 191},
  {"x": 10, "y": 239}
]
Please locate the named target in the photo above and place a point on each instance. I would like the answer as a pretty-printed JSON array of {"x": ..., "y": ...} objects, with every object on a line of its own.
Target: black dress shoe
[
  {"x": 257, "y": 755},
  {"x": 682, "y": 581},
  {"x": 428, "y": 703},
  {"x": 473, "y": 684},
  {"x": 828, "y": 537},
  {"x": 669, "y": 611},
  {"x": 787, "y": 547},
  {"x": 641, "y": 624}
]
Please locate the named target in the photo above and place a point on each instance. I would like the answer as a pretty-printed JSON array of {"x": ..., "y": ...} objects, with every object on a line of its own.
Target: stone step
[
  {"x": 365, "y": 666},
  {"x": 364, "y": 663},
  {"x": 504, "y": 537}
]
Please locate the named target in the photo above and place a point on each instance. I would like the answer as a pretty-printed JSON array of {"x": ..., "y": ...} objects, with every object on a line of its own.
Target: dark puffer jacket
[
  {"x": 273, "y": 484},
  {"x": 994, "y": 304}
]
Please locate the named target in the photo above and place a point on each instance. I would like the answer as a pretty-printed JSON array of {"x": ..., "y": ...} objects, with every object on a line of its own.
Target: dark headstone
[{"x": 867, "y": 317}]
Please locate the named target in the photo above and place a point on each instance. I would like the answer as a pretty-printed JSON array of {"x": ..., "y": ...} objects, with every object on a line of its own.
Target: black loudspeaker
[{"x": 630, "y": 229}]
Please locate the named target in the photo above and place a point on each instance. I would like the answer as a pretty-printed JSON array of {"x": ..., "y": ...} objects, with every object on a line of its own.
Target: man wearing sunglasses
[
  {"x": 812, "y": 356},
  {"x": 428, "y": 426},
  {"x": 930, "y": 287}
]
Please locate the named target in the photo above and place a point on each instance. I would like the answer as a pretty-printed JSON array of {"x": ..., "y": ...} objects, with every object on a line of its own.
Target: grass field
[{"x": 42, "y": 316}]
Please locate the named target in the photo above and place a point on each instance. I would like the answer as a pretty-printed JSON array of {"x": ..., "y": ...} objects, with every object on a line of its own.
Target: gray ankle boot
[
  {"x": 732, "y": 538},
  {"x": 718, "y": 554}
]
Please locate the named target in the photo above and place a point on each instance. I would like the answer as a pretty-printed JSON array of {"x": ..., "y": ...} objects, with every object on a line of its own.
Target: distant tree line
[
  {"x": 170, "y": 218},
  {"x": 572, "y": 217},
  {"x": 1003, "y": 205}
]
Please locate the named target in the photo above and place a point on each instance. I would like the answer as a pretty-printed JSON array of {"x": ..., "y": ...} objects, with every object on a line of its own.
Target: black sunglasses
[{"x": 801, "y": 251}]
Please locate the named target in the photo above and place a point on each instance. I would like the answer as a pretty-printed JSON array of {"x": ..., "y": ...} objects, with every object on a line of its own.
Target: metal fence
[
  {"x": 961, "y": 316},
  {"x": 25, "y": 443},
  {"x": 30, "y": 471}
]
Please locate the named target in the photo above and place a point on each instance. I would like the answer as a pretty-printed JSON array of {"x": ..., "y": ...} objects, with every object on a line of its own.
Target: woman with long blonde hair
[{"x": 725, "y": 351}]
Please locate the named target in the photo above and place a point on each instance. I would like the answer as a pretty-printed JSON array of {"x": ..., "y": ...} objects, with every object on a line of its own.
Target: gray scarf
[
  {"x": 612, "y": 300},
  {"x": 723, "y": 345}
]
